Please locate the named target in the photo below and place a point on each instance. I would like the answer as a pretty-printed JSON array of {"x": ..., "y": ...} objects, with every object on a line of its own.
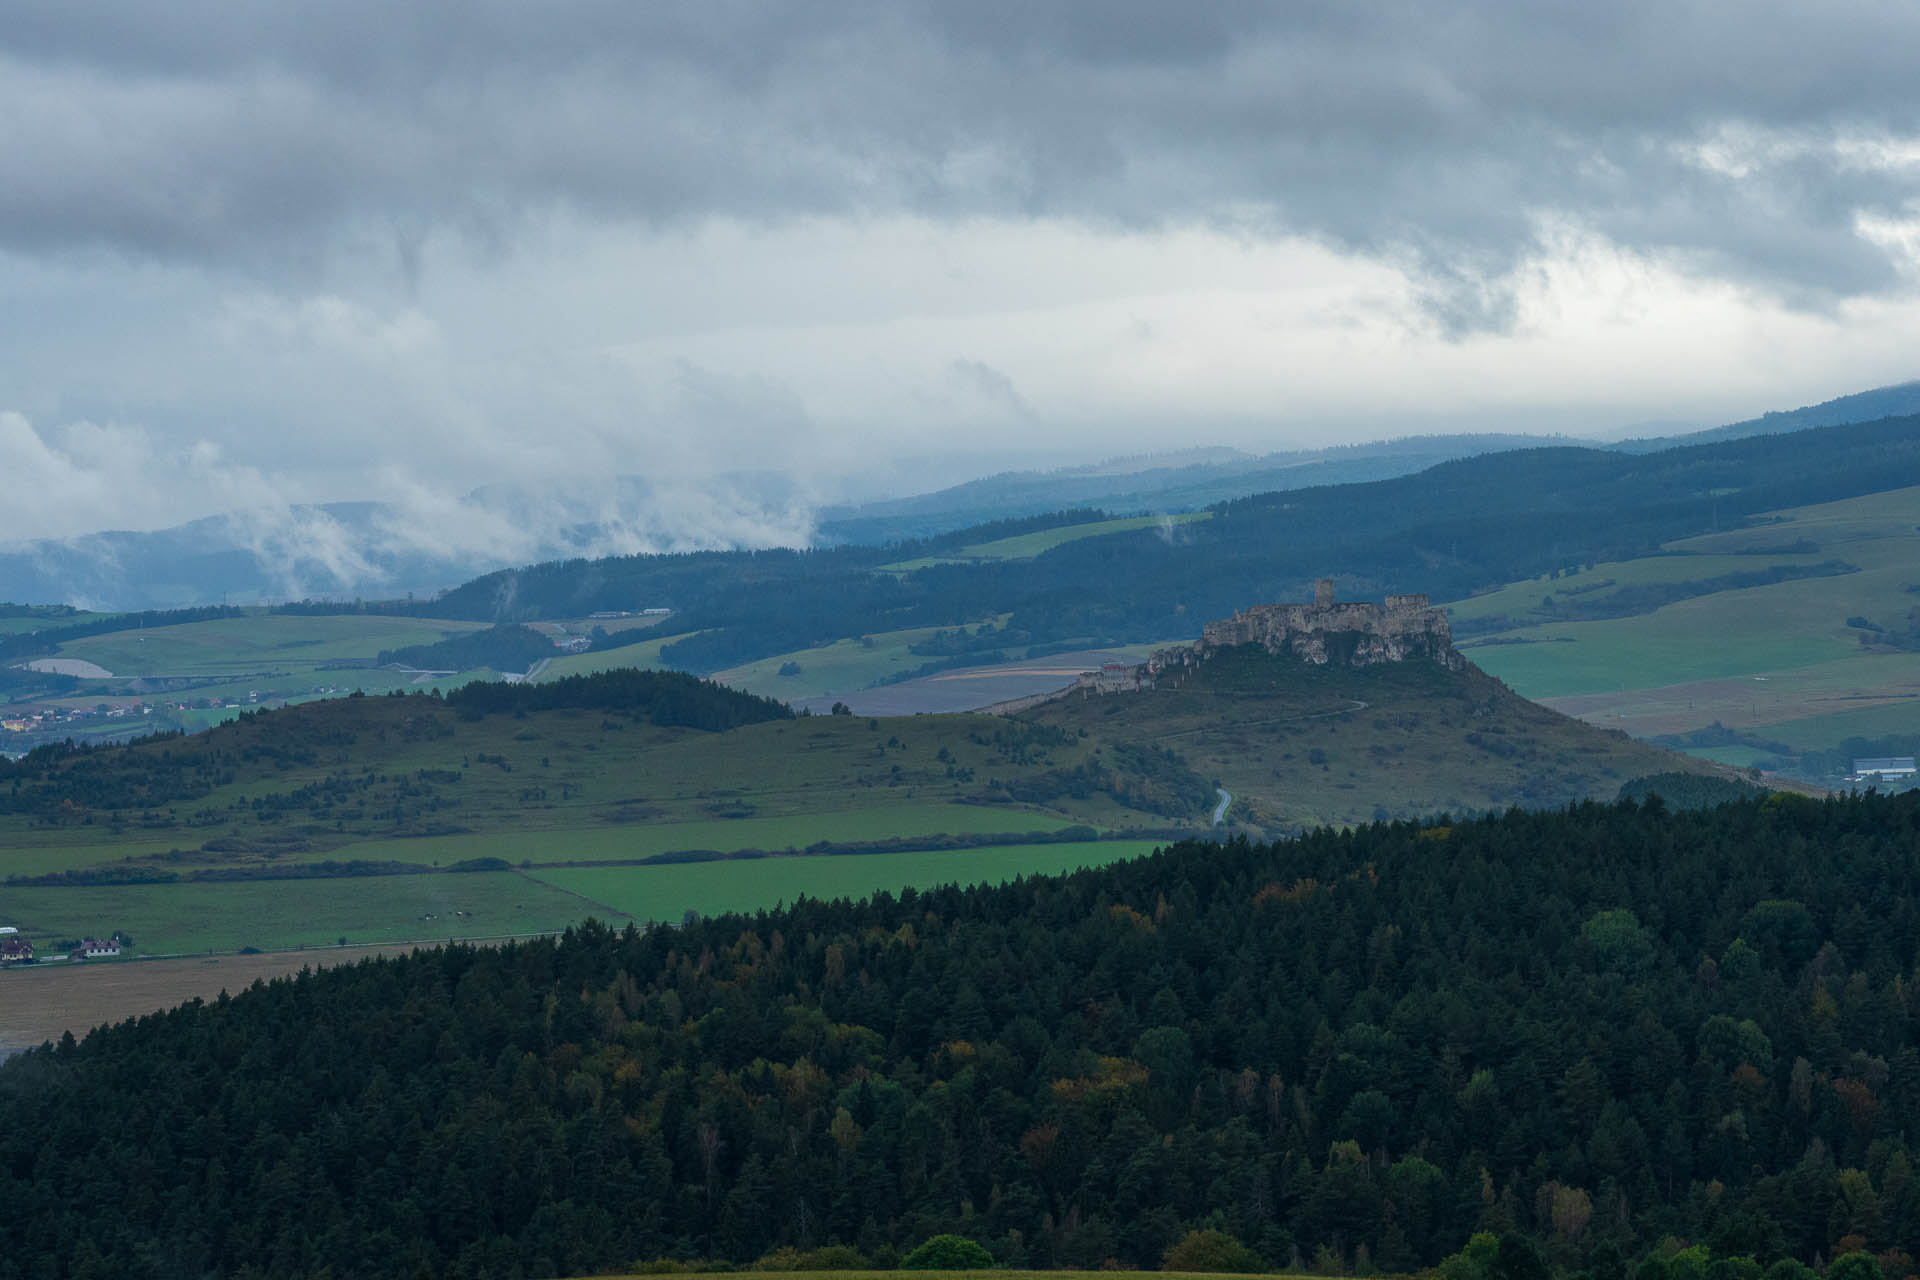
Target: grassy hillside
[
  {"x": 307, "y": 805},
  {"x": 254, "y": 643},
  {"x": 195, "y": 674},
  {"x": 859, "y": 662},
  {"x": 1806, "y": 661},
  {"x": 1299, "y": 745},
  {"x": 1027, "y": 545},
  {"x": 347, "y": 817}
]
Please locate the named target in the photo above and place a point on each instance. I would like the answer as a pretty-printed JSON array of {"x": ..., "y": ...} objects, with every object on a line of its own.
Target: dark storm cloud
[{"x": 1739, "y": 140}]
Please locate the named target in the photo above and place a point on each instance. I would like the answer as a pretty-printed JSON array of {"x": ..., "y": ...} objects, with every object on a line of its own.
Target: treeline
[
  {"x": 27, "y": 644},
  {"x": 1688, "y": 790},
  {"x": 147, "y": 873},
  {"x": 509, "y": 647},
  {"x": 1584, "y": 1032},
  {"x": 9, "y": 609},
  {"x": 666, "y": 698}
]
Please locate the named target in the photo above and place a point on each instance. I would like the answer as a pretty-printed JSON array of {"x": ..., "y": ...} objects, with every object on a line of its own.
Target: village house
[
  {"x": 93, "y": 948},
  {"x": 14, "y": 949}
]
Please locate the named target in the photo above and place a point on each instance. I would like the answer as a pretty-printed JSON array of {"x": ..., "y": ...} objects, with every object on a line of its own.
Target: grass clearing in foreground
[{"x": 712, "y": 888}]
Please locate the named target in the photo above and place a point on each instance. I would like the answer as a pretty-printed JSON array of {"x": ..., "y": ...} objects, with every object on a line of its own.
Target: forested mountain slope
[
  {"x": 1598, "y": 1027},
  {"x": 1448, "y": 531}
]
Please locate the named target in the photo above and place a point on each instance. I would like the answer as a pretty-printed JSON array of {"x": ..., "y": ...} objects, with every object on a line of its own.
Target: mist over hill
[{"x": 275, "y": 550}]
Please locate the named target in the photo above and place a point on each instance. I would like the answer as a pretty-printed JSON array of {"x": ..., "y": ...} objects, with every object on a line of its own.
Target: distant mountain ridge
[
  {"x": 1897, "y": 401},
  {"x": 1153, "y": 484},
  {"x": 349, "y": 549}
]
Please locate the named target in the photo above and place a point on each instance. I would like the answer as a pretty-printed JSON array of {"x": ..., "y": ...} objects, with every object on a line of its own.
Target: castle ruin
[
  {"x": 1349, "y": 633},
  {"x": 1353, "y": 634}
]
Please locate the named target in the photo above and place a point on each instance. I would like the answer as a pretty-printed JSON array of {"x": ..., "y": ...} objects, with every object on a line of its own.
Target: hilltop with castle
[
  {"x": 1326, "y": 632},
  {"x": 1354, "y": 634}
]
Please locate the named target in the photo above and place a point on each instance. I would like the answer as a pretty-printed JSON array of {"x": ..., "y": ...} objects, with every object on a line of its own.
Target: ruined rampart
[
  {"x": 1404, "y": 628},
  {"x": 1347, "y": 633}
]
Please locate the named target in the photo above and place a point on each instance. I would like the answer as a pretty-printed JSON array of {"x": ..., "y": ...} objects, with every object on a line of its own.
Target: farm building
[
  {"x": 15, "y": 950},
  {"x": 90, "y": 948},
  {"x": 1883, "y": 768}
]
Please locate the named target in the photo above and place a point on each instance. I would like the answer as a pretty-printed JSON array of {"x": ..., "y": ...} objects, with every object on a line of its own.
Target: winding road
[{"x": 1220, "y": 810}]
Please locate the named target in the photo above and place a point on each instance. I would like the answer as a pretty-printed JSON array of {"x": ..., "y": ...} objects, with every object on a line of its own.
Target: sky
[{"x": 256, "y": 255}]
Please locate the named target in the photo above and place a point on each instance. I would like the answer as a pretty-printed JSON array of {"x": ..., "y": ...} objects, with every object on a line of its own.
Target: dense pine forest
[{"x": 1586, "y": 1031}]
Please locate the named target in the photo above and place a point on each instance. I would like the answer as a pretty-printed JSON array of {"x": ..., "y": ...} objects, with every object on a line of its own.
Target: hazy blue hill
[
  {"x": 1172, "y": 483},
  {"x": 1899, "y": 400}
]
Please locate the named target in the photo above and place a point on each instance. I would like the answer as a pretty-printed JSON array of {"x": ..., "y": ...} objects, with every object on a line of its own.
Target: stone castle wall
[{"x": 1350, "y": 633}]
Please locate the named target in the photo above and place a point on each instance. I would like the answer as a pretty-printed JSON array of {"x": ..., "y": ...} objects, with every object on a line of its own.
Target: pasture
[
  {"x": 832, "y": 670},
  {"x": 625, "y": 842},
  {"x": 644, "y": 654},
  {"x": 407, "y": 780},
  {"x": 256, "y": 643},
  {"x": 1761, "y": 630},
  {"x": 1025, "y": 546},
  {"x": 1800, "y": 695},
  {"x": 174, "y": 919}
]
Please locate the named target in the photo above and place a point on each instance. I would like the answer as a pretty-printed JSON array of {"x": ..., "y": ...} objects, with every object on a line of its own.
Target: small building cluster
[
  {"x": 14, "y": 949},
  {"x": 1881, "y": 770}
]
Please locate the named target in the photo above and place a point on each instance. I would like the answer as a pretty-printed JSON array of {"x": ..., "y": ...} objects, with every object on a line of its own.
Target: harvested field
[
  {"x": 70, "y": 667},
  {"x": 39, "y": 1002},
  {"x": 972, "y": 688}
]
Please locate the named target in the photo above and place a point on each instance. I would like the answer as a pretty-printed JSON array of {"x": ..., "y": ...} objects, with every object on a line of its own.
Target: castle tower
[{"x": 1323, "y": 592}]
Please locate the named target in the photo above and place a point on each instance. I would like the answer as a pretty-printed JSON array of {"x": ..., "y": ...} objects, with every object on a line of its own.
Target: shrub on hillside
[
  {"x": 1857, "y": 1265},
  {"x": 1210, "y": 1250},
  {"x": 948, "y": 1253},
  {"x": 833, "y": 1257}
]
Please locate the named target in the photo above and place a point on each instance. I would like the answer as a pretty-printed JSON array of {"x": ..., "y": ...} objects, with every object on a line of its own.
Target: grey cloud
[
  {"x": 990, "y": 385},
  {"x": 1442, "y": 136}
]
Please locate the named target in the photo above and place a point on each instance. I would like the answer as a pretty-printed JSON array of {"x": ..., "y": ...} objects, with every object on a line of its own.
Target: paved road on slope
[{"x": 1220, "y": 810}]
